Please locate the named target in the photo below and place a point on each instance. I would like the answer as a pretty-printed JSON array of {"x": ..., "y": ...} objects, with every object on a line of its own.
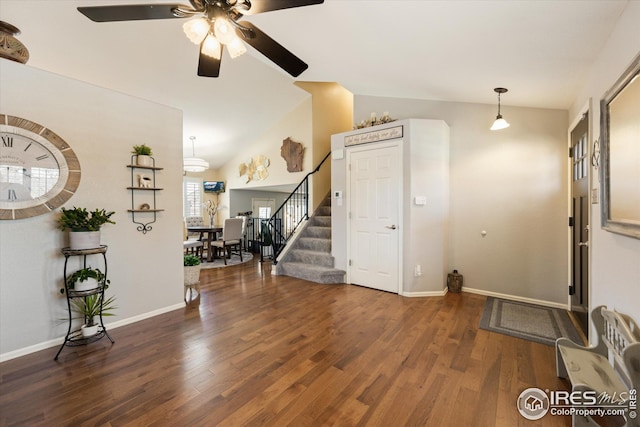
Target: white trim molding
[{"x": 58, "y": 341}]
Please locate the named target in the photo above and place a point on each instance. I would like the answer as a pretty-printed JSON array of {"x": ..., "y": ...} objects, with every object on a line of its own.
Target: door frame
[
  {"x": 399, "y": 144},
  {"x": 586, "y": 109}
]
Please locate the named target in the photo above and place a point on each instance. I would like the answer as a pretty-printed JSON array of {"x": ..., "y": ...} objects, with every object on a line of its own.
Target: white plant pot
[
  {"x": 142, "y": 160},
  {"x": 87, "y": 285},
  {"x": 79, "y": 240},
  {"x": 89, "y": 331}
]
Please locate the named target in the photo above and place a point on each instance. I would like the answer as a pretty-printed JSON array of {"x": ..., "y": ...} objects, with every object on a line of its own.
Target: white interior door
[{"x": 374, "y": 185}]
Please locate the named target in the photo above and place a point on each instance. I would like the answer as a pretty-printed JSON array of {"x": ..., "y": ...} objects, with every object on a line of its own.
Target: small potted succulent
[
  {"x": 86, "y": 279},
  {"x": 143, "y": 155},
  {"x": 84, "y": 226},
  {"x": 89, "y": 309}
]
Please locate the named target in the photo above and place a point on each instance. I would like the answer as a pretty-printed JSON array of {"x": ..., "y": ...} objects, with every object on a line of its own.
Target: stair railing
[{"x": 287, "y": 218}]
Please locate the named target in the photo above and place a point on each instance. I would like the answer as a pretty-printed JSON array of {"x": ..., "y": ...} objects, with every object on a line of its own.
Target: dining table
[{"x": 212, "y": 234}]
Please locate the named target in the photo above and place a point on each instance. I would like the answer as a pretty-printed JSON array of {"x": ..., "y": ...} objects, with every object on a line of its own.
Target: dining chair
[
  {"x": 243, "y": 242},
  {"x": 231, "y": 237},
  {"x": 195, "y": 221},
  {"x": 191, "y": 246}
]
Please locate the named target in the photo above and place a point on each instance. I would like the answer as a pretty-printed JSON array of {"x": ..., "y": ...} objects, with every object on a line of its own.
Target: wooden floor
[{"x": 257, "y": 349}]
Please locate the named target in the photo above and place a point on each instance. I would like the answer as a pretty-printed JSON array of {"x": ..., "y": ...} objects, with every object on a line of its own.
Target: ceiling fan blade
[
  {"x": 130, "y": 12},
  {"x": 274, "y": 51},
  {"x": 208, "y": 66},
  {"x": 260, "y": 6}
]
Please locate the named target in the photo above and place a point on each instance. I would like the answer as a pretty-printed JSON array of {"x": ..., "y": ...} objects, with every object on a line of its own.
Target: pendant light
[
  {"x": 500, "y": 123},
  {"x": 194, "y": 164}
]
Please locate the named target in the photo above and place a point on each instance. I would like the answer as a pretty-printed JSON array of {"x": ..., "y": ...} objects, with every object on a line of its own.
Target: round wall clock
[{"x": 38, "y": 170}]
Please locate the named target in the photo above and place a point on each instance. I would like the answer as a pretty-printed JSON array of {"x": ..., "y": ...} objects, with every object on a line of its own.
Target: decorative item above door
[{"x": 374, "y": 136}]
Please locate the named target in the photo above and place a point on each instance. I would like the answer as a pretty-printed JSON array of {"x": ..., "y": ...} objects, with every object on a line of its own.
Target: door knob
[{"x": 392, "y": 227}]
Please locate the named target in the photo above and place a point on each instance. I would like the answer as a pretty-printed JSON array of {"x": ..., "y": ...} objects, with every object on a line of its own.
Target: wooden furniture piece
[
  {"x": 212, "y": 234},
  {"x": 75, "y": 338},
  {"x": 231, "y": 237},
  {"x": 142, "y": 183},
  {"x": 590, "y": 369}
]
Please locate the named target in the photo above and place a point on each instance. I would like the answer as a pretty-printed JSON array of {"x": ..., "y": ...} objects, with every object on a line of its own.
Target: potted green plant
[
  {"x": 84, "y": 226},
  {"x": 192, "y": 272},
  {"x": 86, "y": 279},
  {"x": 90, "y": 307},
  {"x": 143, "y": 153}
]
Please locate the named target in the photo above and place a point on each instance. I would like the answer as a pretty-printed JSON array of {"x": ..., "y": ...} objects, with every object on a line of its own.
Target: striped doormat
[{"x": 530, "y": 322}]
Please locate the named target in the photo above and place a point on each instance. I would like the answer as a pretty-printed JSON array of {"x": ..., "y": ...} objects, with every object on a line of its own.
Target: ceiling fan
[{"x": 216, "y": 25}]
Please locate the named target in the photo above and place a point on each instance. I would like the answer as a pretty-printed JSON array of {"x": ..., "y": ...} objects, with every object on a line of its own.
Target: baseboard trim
[
  {"x": 489, "y": 294},
  {"x": 515, "y": 298},
  {"x": 424, "y": 294},
  {"x": 58, "y": 341}
]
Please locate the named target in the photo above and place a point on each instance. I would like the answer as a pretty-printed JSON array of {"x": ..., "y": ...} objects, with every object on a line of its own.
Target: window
[
  {"x": 192, "y": 196},
  {"x": 263, "y": 208}
]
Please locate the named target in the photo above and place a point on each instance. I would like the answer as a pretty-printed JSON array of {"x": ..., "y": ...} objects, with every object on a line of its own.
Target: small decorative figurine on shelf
[
  {"x": 373, "y": 121},
  {"x": 144, "y": 181}
]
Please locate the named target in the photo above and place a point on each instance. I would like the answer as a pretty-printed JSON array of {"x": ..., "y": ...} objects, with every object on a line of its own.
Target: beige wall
[
  {"x": 328, "y": 110},
  {"x": 510, "y": 183},
  {"x": 295, "y": 125},
  {"x": 332, "y": 112},
  {"x": 145, "y": 269}
]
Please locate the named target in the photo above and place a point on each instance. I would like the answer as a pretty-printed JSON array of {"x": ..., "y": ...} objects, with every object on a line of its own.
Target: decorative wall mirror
[{"x": 620, "y": 145}]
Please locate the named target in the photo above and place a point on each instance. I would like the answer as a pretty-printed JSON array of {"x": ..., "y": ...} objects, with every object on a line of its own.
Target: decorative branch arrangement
[{"x": 212, "y": 207}]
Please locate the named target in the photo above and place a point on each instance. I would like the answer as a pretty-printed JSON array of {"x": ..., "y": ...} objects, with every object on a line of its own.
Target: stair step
[
  {"x": 312, "y": 257},
  {"x": 313, "y": 273},
  {"x": 324, "y": 211},
  {"x": 317, "y": 231},
  {"x": 321, "y": 221},
  {"x": 315, "y": 244}
]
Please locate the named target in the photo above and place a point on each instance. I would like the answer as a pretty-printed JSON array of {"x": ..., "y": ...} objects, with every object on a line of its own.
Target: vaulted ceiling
[{"x": 439, "y": 50}]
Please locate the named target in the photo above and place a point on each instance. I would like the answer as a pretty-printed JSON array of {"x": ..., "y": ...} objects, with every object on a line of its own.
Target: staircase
[{"x": 309, "y": 257}]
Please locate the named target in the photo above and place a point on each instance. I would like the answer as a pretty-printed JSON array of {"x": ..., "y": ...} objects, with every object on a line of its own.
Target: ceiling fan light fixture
[
  {"x": 236, "y": 48},
  {"x": 196, "y": 29},
  {"x": 223, "y": 30},
  {"x": 499, "y": 123},
  {"x": 211, "y": 47}
]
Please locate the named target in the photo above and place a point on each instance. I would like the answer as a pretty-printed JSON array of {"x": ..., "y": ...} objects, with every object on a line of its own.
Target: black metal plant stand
[{"x": 75, "y": 338}]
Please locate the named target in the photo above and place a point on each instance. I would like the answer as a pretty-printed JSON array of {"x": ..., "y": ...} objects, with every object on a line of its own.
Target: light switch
[{"x": 420, "y": 200}]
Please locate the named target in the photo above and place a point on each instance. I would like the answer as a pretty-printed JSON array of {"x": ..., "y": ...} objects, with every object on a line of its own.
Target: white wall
[
  {"x": 101, "y": 126},
  {"x": 615, "y": 259},
  {"x": 510, "y": 183}
]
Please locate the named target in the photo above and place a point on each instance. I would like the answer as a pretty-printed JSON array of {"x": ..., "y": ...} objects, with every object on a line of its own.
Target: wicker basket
[{"x": 191, "y": 275}]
